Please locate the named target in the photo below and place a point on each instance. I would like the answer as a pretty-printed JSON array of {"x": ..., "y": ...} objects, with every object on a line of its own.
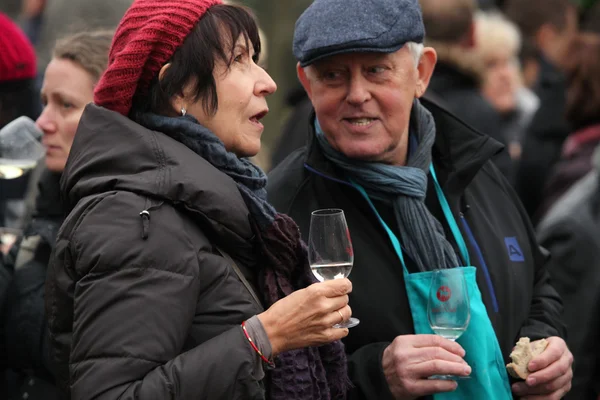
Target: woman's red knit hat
[
  {"x": 147, "y": 37},
  {"x": 17, "y": 56}
]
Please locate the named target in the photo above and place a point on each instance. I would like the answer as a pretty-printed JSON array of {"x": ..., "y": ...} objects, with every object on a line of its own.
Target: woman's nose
[
  {"x": 45, "y": 122},
  {"x": 265, "y": 85}
]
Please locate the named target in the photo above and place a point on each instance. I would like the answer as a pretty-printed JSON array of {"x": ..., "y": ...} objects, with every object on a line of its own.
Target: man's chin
[{"x": 364, "y": 155}]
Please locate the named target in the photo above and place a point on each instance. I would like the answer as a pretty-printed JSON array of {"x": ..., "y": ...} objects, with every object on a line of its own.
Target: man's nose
[{"x": 358, "y": 92}]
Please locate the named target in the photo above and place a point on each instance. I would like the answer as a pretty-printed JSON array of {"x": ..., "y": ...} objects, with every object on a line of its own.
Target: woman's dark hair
[
  {"x": 583, "y": 73},
  {"x": 213, "y": 39}
]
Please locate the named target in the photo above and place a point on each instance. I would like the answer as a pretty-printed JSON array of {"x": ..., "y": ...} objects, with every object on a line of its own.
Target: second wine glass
[
  {"x": 448, "y": 307},
  {"x": 330, "y": 252}
]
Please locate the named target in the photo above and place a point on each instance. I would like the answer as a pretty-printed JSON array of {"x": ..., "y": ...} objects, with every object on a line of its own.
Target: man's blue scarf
[{"x": 405, "y": 188}]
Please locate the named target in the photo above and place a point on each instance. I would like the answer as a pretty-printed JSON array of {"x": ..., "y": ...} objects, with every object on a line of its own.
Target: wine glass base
[
  {"x": 448, "y": 377},
  {"x": 348, "y": 324}
]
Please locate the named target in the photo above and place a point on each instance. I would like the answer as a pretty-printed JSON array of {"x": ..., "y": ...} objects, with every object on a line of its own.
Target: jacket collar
[
  {"x": 448, "y": 78},
  {"x": 459, "y": 152}
]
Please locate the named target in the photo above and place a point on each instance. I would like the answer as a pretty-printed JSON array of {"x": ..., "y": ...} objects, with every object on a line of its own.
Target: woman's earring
[{"x": 183, "y": 111}]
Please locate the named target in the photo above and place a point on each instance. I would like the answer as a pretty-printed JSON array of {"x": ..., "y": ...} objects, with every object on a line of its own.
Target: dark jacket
[
  {"x": 460, "y": 94},
  {"x": 517, "y": 293},
  {"x": 571, "y": 232},
  {"x": 543, "y": 140},
  {"x": 140, "y": 305},
  {"x": 24, "y": 318},
  {"x": 575, "y": 162}
]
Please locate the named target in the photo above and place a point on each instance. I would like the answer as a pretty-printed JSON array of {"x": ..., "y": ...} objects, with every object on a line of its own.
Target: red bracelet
[{"x": 265, "y": 359}]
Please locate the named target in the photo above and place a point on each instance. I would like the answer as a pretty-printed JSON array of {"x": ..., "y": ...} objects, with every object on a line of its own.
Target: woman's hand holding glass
[
  {"x": 330, "y": 252},
  {"x": 306, "y": 317}
]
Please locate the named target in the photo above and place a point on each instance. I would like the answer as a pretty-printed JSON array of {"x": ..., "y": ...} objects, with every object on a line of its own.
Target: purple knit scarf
[{"x": 314, "y": 373}]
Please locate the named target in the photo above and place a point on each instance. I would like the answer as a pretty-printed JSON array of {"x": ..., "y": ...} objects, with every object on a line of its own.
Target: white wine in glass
[{"x": 330, "y": 252}]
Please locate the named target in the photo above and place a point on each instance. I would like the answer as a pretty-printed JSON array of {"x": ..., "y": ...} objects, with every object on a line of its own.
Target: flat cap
[{"x": 329, "y": 27}]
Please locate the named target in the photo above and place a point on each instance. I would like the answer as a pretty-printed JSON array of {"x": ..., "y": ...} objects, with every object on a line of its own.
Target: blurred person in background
[
  {"x": 498, "y": 44},
  {"x": 170, "y": 253},
  {"x": 376, "y": 150},
  {"x": 583, "y": 115},
  {"x": 18, "y": 96},
  {"x": 591, "y": 19},
  {"x": 490, "y": 5},
  {"x": 69, "y": 80},
  {"x": 548, "y": 27},
  {"x": 458, "y": 74},
  {"x": 59, "y": 18},
  {"x": 570, "y": 232}
]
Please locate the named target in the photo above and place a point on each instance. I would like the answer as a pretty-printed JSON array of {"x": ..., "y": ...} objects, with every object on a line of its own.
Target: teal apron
[{"x": 489, "y": 379}]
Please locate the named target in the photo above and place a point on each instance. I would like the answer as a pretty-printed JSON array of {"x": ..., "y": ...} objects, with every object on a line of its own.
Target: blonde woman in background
[
  {"x": 69, "y": 81},
  {"x": 498, "y": 46}
]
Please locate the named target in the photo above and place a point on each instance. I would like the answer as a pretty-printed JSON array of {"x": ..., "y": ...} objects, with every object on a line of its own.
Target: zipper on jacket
[
  {"x": 145, "y": 216},
  {"x": 145, "y": 223},
  {"x": 484, "y": 267}
]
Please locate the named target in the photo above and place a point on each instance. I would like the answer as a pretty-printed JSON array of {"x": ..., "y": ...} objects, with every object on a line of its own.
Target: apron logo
[
  {"x": 444, "y": 293},
  {"x": 515, "y": 253}
]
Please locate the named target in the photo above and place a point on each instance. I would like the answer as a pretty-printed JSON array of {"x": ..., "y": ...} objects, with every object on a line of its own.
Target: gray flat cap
[{"x": 329, "y": 27}]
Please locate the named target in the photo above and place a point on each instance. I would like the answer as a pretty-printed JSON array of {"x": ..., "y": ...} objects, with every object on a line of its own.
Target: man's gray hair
[{"x": 416, "y": 49}]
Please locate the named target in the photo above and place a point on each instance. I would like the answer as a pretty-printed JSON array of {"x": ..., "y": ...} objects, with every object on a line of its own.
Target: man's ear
[
  {"x": 425, "y": 70},
  {"x": 304, "y": 80}
]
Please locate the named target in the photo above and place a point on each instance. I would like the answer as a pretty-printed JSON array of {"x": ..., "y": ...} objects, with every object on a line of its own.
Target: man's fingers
[
  {"x": 426, "y": 387},
  {"x": 558, "y": 395},
  {"x": 521, "y": 389},
  {"x": 436, "y": 340},
  {"x": 435, "y": 353},
  {"x": 560, "y": 368},
  {"x": 439, "y": 367},
  {"x": 556, "y": 348}
]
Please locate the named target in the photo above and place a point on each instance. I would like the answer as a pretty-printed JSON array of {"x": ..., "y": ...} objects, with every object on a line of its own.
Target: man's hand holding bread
[{"x": 545, "y": 366}]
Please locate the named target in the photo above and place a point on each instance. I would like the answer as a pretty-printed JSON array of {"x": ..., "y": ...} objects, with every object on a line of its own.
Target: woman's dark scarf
[{"x": 308, "y": 373}]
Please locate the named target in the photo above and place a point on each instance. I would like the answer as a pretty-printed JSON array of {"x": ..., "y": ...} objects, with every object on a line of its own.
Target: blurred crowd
[{"x": 524, "y": 72}]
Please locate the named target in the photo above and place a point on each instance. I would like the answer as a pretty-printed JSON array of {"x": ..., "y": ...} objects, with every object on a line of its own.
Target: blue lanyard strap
[
  {"x": 460, "y": 241},
  {"x": 447, "y": 213}
]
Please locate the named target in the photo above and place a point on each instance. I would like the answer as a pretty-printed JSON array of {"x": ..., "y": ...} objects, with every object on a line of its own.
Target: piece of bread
[{"x": 522, "y": 354}]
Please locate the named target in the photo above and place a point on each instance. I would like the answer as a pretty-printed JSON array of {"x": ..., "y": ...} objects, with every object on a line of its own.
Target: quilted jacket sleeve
[{"x": 134, "y": 301}]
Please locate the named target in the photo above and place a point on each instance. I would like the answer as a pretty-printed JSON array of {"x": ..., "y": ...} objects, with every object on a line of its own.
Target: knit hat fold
[{"x": 146, "y": 38}]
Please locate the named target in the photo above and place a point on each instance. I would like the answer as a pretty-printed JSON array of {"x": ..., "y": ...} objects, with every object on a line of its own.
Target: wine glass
[
  {"x": 330, "y": 251},
  {"x": 20, "y": 147},
  {"x": 448, "y": 308}
]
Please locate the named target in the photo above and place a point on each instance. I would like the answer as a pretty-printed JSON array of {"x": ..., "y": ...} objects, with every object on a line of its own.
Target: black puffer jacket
[{"x": 140, "y": 305}]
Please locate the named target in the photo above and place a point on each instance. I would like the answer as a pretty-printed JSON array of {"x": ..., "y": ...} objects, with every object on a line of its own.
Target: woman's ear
[{"x": 177, "y": 101}]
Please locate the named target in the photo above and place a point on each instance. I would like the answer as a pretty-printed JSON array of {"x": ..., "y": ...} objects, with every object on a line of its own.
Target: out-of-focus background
[{"x": 277, "y": 18}]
